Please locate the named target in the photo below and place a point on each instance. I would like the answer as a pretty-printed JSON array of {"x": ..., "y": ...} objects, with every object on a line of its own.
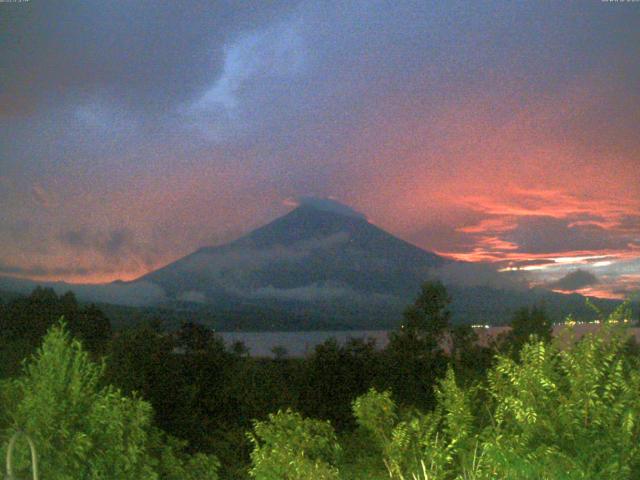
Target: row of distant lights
[{"x": 569, "y": 323}]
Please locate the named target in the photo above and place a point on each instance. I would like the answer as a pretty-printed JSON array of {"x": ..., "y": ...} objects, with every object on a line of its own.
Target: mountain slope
[{"x": 309, "y": 254}]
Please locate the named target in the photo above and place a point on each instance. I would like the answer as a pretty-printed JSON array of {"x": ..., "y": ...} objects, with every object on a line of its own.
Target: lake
[{"x": 298, "y": 344}]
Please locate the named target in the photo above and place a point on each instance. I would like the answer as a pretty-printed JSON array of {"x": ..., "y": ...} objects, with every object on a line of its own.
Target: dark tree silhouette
[
  {"x": 526, "y": 322},
  {"x": 414, "y": 355}
]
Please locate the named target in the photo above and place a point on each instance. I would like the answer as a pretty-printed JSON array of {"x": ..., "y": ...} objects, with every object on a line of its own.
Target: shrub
[{"x": 290, "y": 447}]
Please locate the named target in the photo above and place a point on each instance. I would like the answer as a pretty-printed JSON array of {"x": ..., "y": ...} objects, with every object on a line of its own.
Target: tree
[
  {"x": 239, "y": 349},
  {"x": 95, "y": 329},
  {"x": 526, "y": 322},
  {"x": 414, "y": 354},
  {"x": 81, "y": 429},
  {"x": 25, "y": 320},
  {"x": 140, "y": 362},
  {"x": 562, "y": 410},
  {"x": 469, "y": 359},
  {"x": 279, "y": 352},
  {"x": 335, "y": 375},
  {"x": 427, "y": 320},
  {"x": 196, "y": 338},
  {"x": 437, "y": 443},
  {"x": 290, "y": 447}
]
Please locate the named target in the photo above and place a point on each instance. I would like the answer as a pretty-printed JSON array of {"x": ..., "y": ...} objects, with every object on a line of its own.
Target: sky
[{"x": 133, "y": 133}]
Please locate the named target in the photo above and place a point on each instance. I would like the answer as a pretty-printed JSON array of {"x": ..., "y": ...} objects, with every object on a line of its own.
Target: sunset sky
[{"x": 504, "y": 132}]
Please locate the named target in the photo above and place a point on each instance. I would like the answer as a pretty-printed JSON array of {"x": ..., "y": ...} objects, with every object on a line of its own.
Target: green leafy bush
[
  {"x": 290, "y": 447},
  {"x": 436, "y": 443},
  {"x": 81, "y": 429},
  {"x": 566, "y": 413},
  {"x": 552, "y": 413}
]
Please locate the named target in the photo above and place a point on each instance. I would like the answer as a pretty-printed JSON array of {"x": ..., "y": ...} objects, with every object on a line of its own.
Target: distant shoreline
[{"x": 301, "y": 343}]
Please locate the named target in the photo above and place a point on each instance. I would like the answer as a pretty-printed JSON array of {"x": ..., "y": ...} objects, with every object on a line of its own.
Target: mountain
[
  {"x": 321, "y": 266},
  {"x": 309, "y": 254}
]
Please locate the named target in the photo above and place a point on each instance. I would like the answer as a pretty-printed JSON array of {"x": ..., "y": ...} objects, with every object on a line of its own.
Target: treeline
[
  {"x": 25, "y": 320},
  {"x": 410, "y": 409}
]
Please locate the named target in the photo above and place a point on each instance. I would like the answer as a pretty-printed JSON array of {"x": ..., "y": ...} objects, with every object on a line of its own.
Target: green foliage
[
  {"x": 553, "y": 413},
  {"x": 376, "y": 413},
  {"x": 570, "y": 413},
  {"x": 436, "y": 443},
  {"x": 548, "y": 410},
  {"x": 622, "y": 313},
  {"x": 290, "y": 447},
  {"x": 81, "y": 430},
  {"x": 175, "y": 465}
]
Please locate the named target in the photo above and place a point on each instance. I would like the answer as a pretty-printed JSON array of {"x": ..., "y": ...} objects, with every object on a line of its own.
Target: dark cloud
[
  {"x": 19, "y": 230},
  {"x": 117, "y": 240},
  {"x": 445, "y": 233},
  {"x": 311, "y": 292},
  {"x": 541, "y": 235},
  {"x": 630, "y": 224},
  {"x": 146, "y": 54},
  {"x": 480, "y": 274},
  {"x": 134, "y": 294},
  {"x": 76, "y": 239},
  {"x": 110, "y": 244},
  {"x": 328, "y": 205},
  {"x": 118, "y": 247},
  {"x": 574, "y": 281}
]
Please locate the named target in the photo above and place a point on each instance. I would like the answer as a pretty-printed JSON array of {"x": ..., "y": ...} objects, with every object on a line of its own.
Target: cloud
[
  {"x": 574, "y": 281},
  {"x": 480, "y": 274},
  {"x": 274, "y": 53},
  {"x": 520, "y": 226},
  {"x": 135, "y": 294},
  {"x": 306, "y": 293},
  {"x": 113, "y": 244},
  {"x": 557, "y": 235},
  {"x": 157, "y": 55},
  {"x": 232, "y": 265},
  {"x": 318, "y": 292},
  {"x": 324, "y": 204},
  {"x": 121, "y": 293}
]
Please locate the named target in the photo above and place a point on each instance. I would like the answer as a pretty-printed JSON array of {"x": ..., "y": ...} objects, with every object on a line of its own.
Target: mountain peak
[
  {"x": 326, "y": 205},
  {"x": 320, "y": 250}
]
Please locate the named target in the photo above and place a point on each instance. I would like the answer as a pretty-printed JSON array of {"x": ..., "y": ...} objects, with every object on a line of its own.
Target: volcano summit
[{"x": 320, "y": 251}]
